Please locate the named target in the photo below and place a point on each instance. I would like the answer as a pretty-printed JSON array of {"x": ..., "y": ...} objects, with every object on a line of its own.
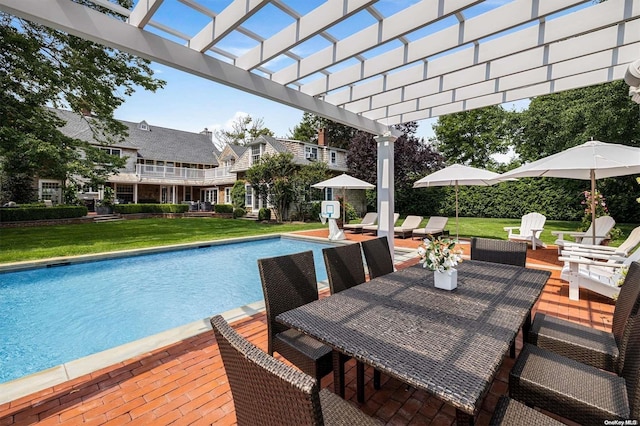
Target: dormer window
[
  {"x": 143, "y": 126},
  {"x": 255, "y": 153}
]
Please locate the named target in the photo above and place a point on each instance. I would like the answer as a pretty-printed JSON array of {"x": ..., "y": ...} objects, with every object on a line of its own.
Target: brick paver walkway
[{"x": 185, "y": 383}]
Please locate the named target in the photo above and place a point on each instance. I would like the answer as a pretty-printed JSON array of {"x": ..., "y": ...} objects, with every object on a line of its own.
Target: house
[
  {"x": 173, "y": 166},
  {"x": 304, "y": 153},
  {"x": 163, "y": 165}
]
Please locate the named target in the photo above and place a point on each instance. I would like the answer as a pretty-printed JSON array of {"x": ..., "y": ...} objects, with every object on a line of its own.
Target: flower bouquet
[{"x": 439, "y": 254}]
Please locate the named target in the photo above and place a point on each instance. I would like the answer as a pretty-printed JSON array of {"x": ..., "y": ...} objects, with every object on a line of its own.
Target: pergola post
[{"x": 385, "y": 187}]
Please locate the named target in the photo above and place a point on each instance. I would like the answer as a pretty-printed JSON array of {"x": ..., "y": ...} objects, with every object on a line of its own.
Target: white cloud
[{"x": 228, "y": 125}]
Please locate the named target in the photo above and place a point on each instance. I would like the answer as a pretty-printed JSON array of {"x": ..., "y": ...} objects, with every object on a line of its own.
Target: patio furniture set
[{"x": 448, "y": 343}]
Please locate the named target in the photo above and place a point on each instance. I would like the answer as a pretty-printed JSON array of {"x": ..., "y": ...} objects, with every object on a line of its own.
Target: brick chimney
[
  {"x": 321, "y": 141},
  {"x": 208, "y": 133}
]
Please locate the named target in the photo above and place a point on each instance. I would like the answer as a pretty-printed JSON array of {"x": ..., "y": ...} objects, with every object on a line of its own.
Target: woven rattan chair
[
  {"x": 499, "y": 251},
  {"x": 345, "y": 269},
  {"x": 510, "y": 412},
  {"x": 585, "y": 344},
  {"x": 268, "y": 392},
  {"x": 579, "y": 392},
  {"x": 378, "y": 256},
  {"x": 289, "y": 282}
]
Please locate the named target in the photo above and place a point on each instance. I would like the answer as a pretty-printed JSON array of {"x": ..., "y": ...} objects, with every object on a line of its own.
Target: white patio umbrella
[
  {"x": 345, "y": 182},
  {"x": 590, "y": 161},
  {"x": 455, "y": 175}
]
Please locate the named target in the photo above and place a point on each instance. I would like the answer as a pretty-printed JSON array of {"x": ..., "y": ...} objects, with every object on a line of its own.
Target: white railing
[{"x": 183, "y": 173}]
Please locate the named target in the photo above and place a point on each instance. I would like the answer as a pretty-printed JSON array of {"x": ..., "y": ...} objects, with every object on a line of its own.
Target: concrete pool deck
[{"x": 183, "y": 381}]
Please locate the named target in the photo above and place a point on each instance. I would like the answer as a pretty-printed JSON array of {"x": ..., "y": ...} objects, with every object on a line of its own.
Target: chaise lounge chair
[
  {"x": 434, "y": 227},
  {"x": 408, "y": 225},
  {"x": 531, "y": 226},
  {"x": 369, "y": 219},
  {"x": 373, "y": 229}
]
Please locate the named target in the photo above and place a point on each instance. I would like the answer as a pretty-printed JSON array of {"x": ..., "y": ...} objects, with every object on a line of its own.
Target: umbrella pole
[
  {"x": 593, "y": 205},
  {"x": 344, "y": 204},
  {"x": 457, "y": 227}
]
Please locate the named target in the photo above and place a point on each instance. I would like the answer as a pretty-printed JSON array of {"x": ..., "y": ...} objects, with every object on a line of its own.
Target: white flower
[{"x": 439, "y": 254}]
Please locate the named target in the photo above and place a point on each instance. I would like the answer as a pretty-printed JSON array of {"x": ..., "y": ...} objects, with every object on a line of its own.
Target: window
[
  {"x": 148, "y": 165},
  {"x": 311, "y": 153},
  {"x": 143, "y": 126},
  {"x": 248, "y": 197},
  {"x": 333, "y": 157},
  {"x": 124, "y": 193},
  {"x": 227, "y": 196},
  {"x": 50, "y": 190},
  {"x": 255, "y": 153},
  {"x": 328, "y": 194},
  {"x": 113, "y": 151}
]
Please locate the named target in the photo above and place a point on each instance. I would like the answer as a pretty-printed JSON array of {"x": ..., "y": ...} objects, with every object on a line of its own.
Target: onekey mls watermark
[{"x": 628, "y": 422}]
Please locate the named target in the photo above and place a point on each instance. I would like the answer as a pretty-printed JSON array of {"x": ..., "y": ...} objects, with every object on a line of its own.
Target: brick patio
[{"x": 184, "y": 383}]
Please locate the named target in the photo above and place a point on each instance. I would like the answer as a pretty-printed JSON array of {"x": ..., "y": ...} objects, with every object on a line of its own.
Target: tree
[
  {"x": 303, "y": 193},
  {"x": 244, "y": 129},
  {"x": 413, "y": 159},
  {"x": 472, "y": 137},
  {"x": 336, "y": 135},
  {"x": 44, "y": 67},
  {"x": 271, "y": 178}
]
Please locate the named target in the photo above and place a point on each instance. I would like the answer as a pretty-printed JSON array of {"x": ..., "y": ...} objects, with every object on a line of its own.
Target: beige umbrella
[
  {"x": 345, "y": 182},
  {"x": 590, "y": 161},
  {"x": 455, "y": 175}
]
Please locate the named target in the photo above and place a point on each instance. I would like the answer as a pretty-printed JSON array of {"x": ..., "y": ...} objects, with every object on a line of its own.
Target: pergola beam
[
  {"x": 226, "y": 21},
  {"x": 92, "y": 25},
  {"x": 500, "y": 19},
  {"x": 414, "y": 17},
  {"x": 305, "y": 27},
  {"x": 573, "y": 56},
  {"x": 143, "y": 11}
]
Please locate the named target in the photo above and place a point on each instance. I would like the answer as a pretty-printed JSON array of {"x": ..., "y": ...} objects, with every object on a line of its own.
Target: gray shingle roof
[{"x": 158, "y": 143}]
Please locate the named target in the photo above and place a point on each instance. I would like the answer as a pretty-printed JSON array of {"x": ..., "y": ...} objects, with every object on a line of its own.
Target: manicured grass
[{"x": 22, "y": 244}]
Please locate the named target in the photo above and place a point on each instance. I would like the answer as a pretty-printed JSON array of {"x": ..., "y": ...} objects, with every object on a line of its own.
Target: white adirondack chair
[
  {"x": 600, "y": 273},
  {"x": 531, "y": 226},
  {"x": 603, "y": 224},
  {"x": 623, "y": 250}
]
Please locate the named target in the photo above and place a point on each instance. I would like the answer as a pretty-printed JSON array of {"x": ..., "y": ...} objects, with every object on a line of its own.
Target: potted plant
[{"x": 105, "y": 206}]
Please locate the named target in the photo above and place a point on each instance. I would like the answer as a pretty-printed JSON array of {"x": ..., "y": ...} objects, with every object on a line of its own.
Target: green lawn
[{"x": 20, "y": 244}]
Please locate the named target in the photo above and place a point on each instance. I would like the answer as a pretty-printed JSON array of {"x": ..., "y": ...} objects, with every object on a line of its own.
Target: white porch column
[
  {"x": 135, "y": 193},
  {"x": 385, "y": 187}
]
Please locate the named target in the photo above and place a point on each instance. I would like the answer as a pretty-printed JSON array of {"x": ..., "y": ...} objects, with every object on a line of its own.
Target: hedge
[
  {"x": 21, "y": 214},
  {"x": 223, "y": 208},
  {"x": 150, "y": 208}
]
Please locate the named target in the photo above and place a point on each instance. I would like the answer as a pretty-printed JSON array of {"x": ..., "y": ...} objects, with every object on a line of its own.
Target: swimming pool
[{"x": 49, "y": 316}]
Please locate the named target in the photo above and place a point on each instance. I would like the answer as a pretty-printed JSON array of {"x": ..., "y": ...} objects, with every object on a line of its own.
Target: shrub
[
  {"x": 314, "y": 210},
  {"x": 239, "y": 212},
  {"x": 264, "y": 214},
  {"x": 20, "y": 214},
  {"x": 223, "y": 208},
  {"x": 150, "y": 208}
]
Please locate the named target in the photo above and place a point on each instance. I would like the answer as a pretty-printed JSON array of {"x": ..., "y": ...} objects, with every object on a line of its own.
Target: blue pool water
[{"x": 50, "y": 316}]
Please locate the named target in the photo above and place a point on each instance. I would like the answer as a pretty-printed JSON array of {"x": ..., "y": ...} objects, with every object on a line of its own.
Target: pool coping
[{"x": 26, "y": 385}]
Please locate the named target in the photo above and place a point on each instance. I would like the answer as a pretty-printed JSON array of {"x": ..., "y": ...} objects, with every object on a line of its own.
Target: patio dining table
[{"x": 448, "y": 343}]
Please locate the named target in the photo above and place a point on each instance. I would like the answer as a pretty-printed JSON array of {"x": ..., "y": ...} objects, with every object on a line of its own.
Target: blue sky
[{"x": 191, "y": 103}]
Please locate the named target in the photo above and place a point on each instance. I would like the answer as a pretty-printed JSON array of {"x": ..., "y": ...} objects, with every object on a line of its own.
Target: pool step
[{"x": 108, "y": 218}]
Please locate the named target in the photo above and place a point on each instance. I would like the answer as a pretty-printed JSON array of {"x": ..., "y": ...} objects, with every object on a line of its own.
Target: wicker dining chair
[
  {"x": 289, "y": 282},
  {"x": 378, "y": 257},
  {"x": 499, "y": 251},
  {"x": 576, "y": 391},
  {"x": 588, "y": 345},
  {"x": 266, "y": 391},
  {"x": 510, "y": 412},
  {"x": 345, "y": 269}
]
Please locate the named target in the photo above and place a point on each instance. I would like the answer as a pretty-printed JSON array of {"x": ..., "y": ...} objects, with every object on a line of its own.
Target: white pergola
[{"x": 366, "y": 64}]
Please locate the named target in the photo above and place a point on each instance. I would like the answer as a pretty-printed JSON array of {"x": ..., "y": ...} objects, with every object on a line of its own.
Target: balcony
[{"x": 183, "y": 174}]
